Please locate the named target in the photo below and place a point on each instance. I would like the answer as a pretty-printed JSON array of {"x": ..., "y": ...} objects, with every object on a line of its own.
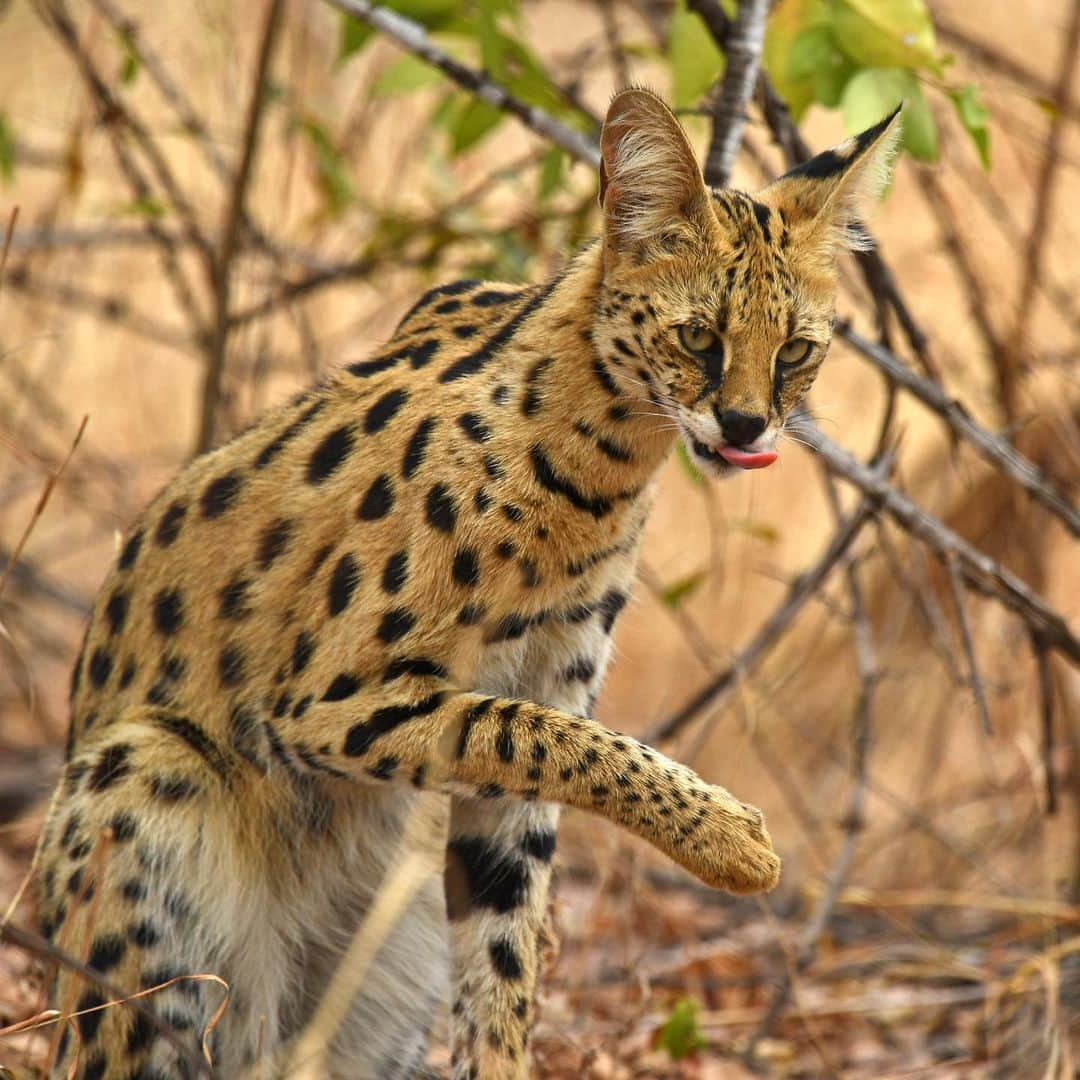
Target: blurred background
[{"x": 208, "y": 205}]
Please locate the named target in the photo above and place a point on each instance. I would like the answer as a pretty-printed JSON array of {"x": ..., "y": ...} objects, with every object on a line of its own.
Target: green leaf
[
  {"x": 353, "y": 35},
  {"x": 815, "y": 58},
  {"x": 688, "y": 466},
  {"x": 788, "y": 21},
  {"x": 680, "y": 1035},
  {"x": 886, "y": 33},
  {"x": 874, "y": 92},
  {"x": 403, "y": 75},
  {"x": 671, "y": 596},
  {"x": 130, "y": 64},
  {"x": 975, "y": 117},
  {"x": 146, "y": 206},
  {"x": 470, "y": 123},
  {"x": 696, "y": 62},
  {"x": 7, "y": 150},
  {"x": 331, "y": 170},
  {"x": 552, "y": 168}
]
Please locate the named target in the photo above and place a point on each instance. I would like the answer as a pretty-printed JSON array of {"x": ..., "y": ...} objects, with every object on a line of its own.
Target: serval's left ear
[
  {"x": 651, "y": 188},
  {"x": 829, "y": 191}
]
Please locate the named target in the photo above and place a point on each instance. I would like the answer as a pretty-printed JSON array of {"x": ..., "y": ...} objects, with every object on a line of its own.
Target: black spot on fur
[
  {"x": 379, "y": 500},
  {"x": 220, "y": 494},
  {"x": 273, "y": 542},
  {"x": 384, "y": 410},
  {"x": 112, "y": 766},
  {"x": 168, "y": 611},
  {"x": 396, "y": 572},
  {"x": 280, "y": 441},
  {"x": 540, "y": 844},
  {"x": 303, "y": 648},
  {"x": 504, "y": 958},
  {"x": 417, "y": 447},
  {"x": 474, "y": 427},
  {"x": 477, "y": 360},
  {"x": 343, "y": 686},
  {"x": 234, "y": 599},
  {"x": 343, "y": 582},
  {"x": 130, "y": 551},
  {"x": 441, "y": 509},
  {"x": 169, "y": 526},
  {"x": 495, "y": 878},
  {"x": 396, "y": 624},
  {"x": 331, "y": 453},
  {"x": 466, "y": 568},
  {"x": 231, "y": 666},
  {"x": 547, "y": 477},
  {"x": 360, "y": 736},
  {"x": 100, "y": 667},
  {"x": 106, "y": 952}
]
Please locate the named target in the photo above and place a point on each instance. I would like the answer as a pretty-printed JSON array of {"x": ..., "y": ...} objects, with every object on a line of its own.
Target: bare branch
[
  {"x": 1044, "y": 210},
  {"x": 1046, "y": 710},
  {"x": 39, "y": 946},
  {"x": 742, "y": 47},
  {"x": 413, "y": 37},
  {"x": 993, "y": 448},
  {"x": 974, "y": 675},
  {"x": 799, "y": 591},
  {"x": 55, "y": 16},
  {"x": 230, "y": 234},
  {"x": 977, "y": 568}
]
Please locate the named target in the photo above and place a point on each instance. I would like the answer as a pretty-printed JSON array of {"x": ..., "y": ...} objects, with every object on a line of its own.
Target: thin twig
[
  {"x": 742, "y": 49},
  {"x": 975, "y": 680},
  {"x": 43, "y": 499},
  {"x": 978, "y": 569},
  {"x": 39, "y": 946},
  {"x": 1046, "y": 712},
  {"x": 55, "y": 16},
  {"x": 1044, "y": 214},
  {"x": 869, "y": 673},
  {"x": 230, "y": 233},
  {"x": 993, "y": 448},
  {"x": 799, "y": 591},
  {"x": 412, "y": 36}
]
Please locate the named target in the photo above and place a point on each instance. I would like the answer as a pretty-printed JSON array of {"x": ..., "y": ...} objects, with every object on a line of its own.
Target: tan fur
[{"x": 304, "y": 617}]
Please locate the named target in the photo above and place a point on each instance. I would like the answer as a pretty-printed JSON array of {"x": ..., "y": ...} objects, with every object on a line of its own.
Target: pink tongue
[{"x": 746, "y": 459}]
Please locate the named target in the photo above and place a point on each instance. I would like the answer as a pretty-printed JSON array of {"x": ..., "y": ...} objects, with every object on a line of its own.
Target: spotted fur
[{"x": 406, "y": 581}]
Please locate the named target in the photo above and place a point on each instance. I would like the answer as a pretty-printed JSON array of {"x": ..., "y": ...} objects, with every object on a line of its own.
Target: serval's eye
[
  {"x": 794, "y": 351},
  {"x": 696, "y": 337}
]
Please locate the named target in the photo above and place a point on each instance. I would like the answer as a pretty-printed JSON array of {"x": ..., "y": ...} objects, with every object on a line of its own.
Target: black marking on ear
[{"x": 475, "y": 361}]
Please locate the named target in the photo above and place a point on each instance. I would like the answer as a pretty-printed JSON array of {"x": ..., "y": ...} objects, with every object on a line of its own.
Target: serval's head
[{"x": 717, "y": 306}]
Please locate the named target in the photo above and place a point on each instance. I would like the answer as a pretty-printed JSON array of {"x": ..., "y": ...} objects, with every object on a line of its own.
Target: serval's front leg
[{"x": 498, "y": 869}]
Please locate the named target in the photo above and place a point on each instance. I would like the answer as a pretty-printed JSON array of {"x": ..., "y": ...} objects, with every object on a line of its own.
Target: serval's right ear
[{"x": 651, "y": 188}]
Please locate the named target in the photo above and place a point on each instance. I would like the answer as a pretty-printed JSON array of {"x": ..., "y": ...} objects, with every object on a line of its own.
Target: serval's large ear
[
  {"x": 829, "y": 191},
  {"x": 651, "y": 188}
]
